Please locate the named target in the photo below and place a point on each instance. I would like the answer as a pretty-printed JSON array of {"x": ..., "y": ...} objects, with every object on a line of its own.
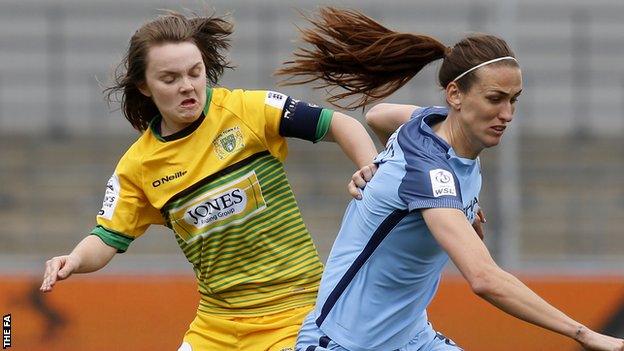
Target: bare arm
[
  {"x": 384, "y": 119},
  {"x": 455, "y": 234},
  {"x": 91, "y": 254},
  {"x": 352, "y": 138}
]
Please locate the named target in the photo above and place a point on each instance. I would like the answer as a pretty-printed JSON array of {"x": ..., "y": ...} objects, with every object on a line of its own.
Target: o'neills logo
[
  {"x": 218, "y": 208},
  {"x": 163, "y": 180}
]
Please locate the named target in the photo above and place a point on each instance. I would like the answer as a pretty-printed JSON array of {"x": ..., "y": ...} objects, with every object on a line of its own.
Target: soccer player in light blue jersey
[{"x": 416, "y": 212}]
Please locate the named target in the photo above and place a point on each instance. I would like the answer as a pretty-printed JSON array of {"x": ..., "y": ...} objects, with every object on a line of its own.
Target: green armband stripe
[
  {"x": 323, "y": 124},
  {"x": 112, "y": 238}
]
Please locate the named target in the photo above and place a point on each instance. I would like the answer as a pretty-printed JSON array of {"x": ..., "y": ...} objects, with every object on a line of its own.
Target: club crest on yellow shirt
[{"x": 228, "y": 142}]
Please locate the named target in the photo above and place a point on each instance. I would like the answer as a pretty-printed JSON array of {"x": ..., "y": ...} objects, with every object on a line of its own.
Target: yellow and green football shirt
[{"x": 221, "y": 186}]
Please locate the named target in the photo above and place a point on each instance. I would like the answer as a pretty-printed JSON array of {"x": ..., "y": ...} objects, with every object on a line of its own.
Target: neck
[
  {"x": 451, "y": 131},
  {"x": 167, "y": 129}
]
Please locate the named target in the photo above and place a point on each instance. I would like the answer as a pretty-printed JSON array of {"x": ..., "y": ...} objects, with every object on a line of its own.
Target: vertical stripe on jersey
[{"x": 382, "y": 231}]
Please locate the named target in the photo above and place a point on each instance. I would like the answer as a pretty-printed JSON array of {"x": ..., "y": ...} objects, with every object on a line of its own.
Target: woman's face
[
  {"x": 487, "y": 108},
  {"x": 175, "y": 79}
]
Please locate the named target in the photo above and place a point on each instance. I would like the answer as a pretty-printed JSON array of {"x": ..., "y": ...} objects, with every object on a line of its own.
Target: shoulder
[
  {"x": 242, "y": 102},
  {"x": 222, "y": 96},
  {"x": 418, "y": 144},
  {"x": 267, "y": 97},
  {"x": 132, "y": 159}
]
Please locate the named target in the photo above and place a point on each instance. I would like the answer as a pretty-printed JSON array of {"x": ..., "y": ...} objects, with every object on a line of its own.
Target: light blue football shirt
[{"x": 385, "y": 265}]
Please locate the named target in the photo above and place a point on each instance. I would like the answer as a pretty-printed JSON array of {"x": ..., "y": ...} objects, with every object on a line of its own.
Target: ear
[
  {"x": 453, "y": 96},
  {"x": 144, "y": 89}
]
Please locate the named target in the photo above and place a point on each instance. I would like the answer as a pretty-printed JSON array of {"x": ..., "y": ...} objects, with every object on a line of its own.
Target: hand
[
  {"x": 592, "y": 341},
  {"x": 477, "y": 224},
  {"x": 58, "y": 268},
  {"x": 359, "y": 180}
]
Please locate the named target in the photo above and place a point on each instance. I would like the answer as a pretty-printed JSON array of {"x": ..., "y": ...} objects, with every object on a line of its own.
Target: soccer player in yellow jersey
[{"x": 209, "y": 166}]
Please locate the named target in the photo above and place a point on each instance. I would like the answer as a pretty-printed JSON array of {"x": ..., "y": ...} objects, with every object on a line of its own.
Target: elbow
[
  {"x": 481, "y": 287},
  {"x": 484, "y": 283},
  {"x": 374, "y": 116}
]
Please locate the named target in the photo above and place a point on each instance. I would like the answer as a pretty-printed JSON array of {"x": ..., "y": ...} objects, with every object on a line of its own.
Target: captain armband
[{"x": 304, "y": 121}]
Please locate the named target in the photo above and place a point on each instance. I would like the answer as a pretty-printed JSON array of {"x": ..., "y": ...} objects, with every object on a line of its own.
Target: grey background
[{"x": 553, "y": 190}]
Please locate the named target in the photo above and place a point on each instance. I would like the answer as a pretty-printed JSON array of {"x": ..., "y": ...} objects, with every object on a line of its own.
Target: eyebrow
[
  {"x": 505, "y": 93},
  {"x": 165, "y": 72}
]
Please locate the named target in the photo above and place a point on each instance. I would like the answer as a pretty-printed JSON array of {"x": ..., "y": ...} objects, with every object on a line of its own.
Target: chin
[
  {"x": 491, "y": 142},
  {"x": 190, "y": 117}
]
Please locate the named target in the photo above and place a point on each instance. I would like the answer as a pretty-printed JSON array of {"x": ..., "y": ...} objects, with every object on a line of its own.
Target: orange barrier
[
  {"x": 476, "y": 325},
  {"x": 93, "y": 313},
  {"x": 99, "y": 313}
]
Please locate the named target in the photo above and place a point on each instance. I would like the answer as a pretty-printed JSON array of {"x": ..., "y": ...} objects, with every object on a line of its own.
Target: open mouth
[
  {"x": 499, "y": 129},
  {"x": 188, "y": 102}
]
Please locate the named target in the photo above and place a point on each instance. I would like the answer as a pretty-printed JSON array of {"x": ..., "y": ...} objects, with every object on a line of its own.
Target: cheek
[
  {"x": 201, "y": 82},
  {"x": 482, "y": 113},
  {"x": 162, "y": 94},
  {"x": 488, "y": 113},
  {"x": 482, "y": 118}
]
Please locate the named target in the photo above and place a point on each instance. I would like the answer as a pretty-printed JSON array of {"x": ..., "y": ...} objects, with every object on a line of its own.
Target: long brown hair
[
  {"x": 354, "y": 52},
  {"x": 209, "y": 34}
]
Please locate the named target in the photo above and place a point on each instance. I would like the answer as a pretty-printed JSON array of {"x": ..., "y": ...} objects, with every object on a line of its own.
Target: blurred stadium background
[{"x": 553, "y": 192}]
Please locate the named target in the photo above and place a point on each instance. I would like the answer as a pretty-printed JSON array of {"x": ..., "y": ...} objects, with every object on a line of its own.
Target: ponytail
[{"x": 354, "y": 52}]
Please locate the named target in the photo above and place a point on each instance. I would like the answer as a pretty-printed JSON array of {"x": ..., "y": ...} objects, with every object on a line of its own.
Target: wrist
[
  {"x": 76, "y": 260},
  {"x": 581, "y": 333}
]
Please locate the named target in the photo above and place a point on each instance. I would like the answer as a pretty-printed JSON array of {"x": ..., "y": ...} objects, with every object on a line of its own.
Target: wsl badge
[{"x": 228, "y": 142}]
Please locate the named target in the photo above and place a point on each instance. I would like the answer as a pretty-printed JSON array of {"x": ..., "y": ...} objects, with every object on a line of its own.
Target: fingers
[
  {"x": 354, "y": 190},
  {"x": 478, "y": 228},
  {"x": 46, "y": 284},
  {"x": 481, "y": 216},
  {"x": 477, "y": 224},
  {"x": 359, "y": 179},
  {"x": 368, "y": 172},
  {"x": 50, "y": 276},
  {"x": 64, "y": 272}
]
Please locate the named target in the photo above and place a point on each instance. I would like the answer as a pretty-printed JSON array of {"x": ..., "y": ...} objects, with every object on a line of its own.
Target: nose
[
  {"x": 506, "y": 113},
  {"x": 186, "y": 85}
]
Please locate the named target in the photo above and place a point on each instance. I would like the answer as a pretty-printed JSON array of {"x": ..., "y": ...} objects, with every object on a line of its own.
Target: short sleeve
[
  {"x": 273, "y": 116},
  {"x": 429, "y": 180},
  {"x": 126, "y": 213},
  {"x": 261, "y": 111}
]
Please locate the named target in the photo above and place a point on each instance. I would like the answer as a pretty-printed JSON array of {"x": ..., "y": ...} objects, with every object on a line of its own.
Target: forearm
[
  {"x": 92, "y": 254},
  {"x": 352, "y": 138},
  {"x": 503, "y": 290},
  {"x": 512, "y": 296},
  {"x": 454, "y": 233}
]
